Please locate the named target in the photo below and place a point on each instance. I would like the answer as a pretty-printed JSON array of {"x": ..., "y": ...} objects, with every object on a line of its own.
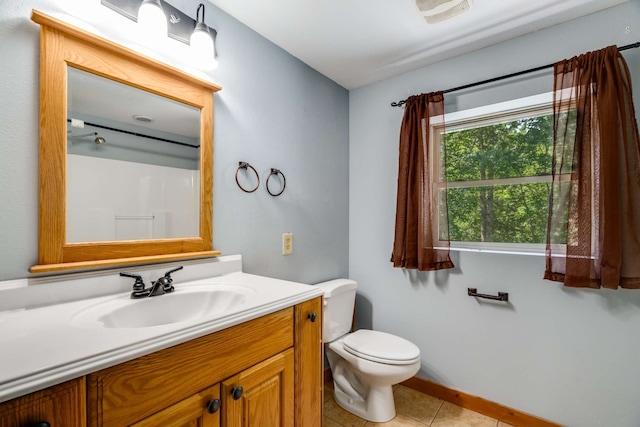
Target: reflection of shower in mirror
[{"x": 98, "y": 140}]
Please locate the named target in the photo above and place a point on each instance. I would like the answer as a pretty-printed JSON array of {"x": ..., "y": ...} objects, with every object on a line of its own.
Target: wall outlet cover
[{"x": 287, "y": 243}]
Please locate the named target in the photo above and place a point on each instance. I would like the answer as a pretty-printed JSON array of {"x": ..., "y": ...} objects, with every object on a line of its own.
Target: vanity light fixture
[
  {"x": 177, "y": 25},
  {"x": 152, "y": 20},
  {"x": 202, "y": 47}
]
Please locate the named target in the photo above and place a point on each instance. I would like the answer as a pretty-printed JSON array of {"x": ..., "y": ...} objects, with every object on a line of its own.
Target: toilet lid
[{"x": 381, "y": 347}]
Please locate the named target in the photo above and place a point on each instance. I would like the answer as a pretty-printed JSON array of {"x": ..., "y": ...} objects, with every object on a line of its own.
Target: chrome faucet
[{"x": 163, "y": 285}]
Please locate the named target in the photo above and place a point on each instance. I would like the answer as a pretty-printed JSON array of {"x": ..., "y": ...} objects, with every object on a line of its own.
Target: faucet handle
[
  {"x": 139, "y": 284},
  {"x": 167, "y": 275},
  {"x": 168, "y": 280}
]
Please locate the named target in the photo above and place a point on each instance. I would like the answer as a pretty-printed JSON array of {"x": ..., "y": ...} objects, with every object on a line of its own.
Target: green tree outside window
[{"x": 498, "y": 178}]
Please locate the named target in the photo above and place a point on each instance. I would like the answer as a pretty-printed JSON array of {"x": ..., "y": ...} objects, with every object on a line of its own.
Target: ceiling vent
[{"x": 439, "y": 10}]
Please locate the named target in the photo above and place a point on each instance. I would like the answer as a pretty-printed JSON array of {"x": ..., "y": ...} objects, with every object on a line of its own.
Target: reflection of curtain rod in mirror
[{"x": 136, "y": 134}]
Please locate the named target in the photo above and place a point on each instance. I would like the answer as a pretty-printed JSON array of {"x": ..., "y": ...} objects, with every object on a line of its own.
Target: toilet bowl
[{"x": 364, "y": 364}]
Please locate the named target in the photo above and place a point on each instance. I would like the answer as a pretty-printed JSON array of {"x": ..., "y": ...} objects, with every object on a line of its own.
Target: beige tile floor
[{"x": 413, "y": 409}]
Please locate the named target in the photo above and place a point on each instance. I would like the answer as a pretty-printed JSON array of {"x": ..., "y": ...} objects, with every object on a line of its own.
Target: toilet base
[
  {"x": 364, "y": 387},
  {"x": 378, "y": 406}
]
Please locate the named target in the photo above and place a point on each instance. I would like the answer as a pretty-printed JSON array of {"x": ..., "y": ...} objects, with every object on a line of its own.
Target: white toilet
[{"x": 364, "y": 364}]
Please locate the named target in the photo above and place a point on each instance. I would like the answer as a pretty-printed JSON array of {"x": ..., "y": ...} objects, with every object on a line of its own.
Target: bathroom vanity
[
  {"x": 258, "y": 362},
  {"x": 225, "y": 348}
]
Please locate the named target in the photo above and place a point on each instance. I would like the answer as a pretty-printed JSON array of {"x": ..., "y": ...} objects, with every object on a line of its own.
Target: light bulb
[
  {"x": 152, "y": 20},
  {"x": 202, "y": 48}
]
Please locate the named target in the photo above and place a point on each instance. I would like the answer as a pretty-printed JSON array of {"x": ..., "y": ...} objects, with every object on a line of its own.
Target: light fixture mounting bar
[{"x": 180, "y": 26}]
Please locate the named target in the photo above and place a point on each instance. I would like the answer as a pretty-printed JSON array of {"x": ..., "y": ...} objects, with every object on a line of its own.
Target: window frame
[{"x": 481, "y": 116}]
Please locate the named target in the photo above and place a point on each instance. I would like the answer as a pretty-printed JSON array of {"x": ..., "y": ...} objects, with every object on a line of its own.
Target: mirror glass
[{"x": 133, "y": 161}]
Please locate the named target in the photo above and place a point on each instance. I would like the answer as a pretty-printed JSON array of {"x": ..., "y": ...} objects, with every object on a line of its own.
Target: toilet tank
[{"x": 339, "y": 300}]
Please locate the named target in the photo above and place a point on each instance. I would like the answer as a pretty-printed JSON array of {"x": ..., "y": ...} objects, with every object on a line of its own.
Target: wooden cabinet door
[
  {"x": 62, "y": 405},
  {"x": 199, "y": 410},
  {"x": 309, "y": 363},
  {"x": 132, "y": 391},
  {"x": 266, "y": 397}
]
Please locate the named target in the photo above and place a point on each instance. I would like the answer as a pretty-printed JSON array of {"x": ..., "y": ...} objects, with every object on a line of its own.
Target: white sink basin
[{"x": 186, "y": 304}]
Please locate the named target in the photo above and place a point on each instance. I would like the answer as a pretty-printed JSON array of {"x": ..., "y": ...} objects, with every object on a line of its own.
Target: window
[{"x": 498, "y": 174}]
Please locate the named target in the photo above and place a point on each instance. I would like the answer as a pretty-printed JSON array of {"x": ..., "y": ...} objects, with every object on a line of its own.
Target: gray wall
[
  {"x": 273, "y": 111},
  {"x": 570, "y": 356}
]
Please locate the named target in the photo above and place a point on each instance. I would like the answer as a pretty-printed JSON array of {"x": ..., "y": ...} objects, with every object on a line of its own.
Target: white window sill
[
  {"x": 498, "y": 251},
  {"x": 528, "y": 250}
]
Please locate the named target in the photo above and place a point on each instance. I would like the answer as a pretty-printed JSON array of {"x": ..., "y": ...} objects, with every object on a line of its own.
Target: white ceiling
[{"x": 357, "y": 42}]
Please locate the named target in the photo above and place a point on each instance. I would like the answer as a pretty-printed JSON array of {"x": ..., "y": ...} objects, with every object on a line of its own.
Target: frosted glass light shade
[
  {"x": 202, "y": 48},
  {"x": 152, "y": 20}
]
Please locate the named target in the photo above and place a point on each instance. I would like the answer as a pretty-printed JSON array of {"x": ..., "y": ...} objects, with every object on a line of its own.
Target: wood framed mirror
[{"x": 63, "y": 48}]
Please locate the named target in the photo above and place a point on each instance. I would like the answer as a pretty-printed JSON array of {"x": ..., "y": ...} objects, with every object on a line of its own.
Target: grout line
[{"x": 437, "y": 412}]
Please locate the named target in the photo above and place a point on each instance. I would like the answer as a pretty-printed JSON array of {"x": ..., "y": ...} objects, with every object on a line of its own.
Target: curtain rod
[
  {"x": 157, "y": 138},
  {"x": 508, "y": 76}
]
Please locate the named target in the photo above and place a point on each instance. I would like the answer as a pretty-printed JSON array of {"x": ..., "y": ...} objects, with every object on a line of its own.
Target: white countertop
[{"x": 46, "y": 345}]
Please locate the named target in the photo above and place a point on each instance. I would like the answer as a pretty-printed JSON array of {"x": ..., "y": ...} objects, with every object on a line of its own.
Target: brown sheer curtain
[
  {"x": 417, "y": 229},
  {"x": 595, "y": 195}
]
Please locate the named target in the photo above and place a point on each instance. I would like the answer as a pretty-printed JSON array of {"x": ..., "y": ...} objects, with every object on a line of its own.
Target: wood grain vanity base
[
  {"x": 60, "y": 405},
  {"x": 131, "y": 391}
]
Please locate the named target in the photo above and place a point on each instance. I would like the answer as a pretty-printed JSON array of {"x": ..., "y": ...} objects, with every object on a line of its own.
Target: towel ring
[
  {"x": 284, "y": 182},
  {"x": 245, "y": 165}
]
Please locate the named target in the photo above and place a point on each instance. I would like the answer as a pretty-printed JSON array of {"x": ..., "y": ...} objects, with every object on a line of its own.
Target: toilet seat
[{"x": 381, "y": 347}]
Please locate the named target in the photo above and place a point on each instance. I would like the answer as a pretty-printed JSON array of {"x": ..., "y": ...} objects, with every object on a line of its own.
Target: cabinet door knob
[
  {"x": 213, "y": 405},
  {"x": 312, "y": 316},
  {"x": 42, "y": 424},
  {"x": 236, "y": 392}
]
